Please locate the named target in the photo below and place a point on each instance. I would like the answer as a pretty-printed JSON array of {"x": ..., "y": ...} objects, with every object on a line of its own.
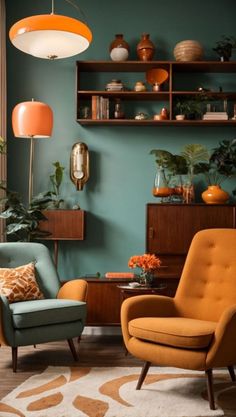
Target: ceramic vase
[
  {"x": 188, "y": 51},
  {"x": 215, "y": 195},
  {"x": 119, "y": 49},
  {"x": 145, "y": 48}
]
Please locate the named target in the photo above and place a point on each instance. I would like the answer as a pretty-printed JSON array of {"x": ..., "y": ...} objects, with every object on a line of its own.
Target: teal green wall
[{"x": 122, "y": 170}]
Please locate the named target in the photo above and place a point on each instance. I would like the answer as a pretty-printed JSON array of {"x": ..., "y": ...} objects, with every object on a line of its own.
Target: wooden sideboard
[
  {"x": 105, "y": 298},
  {"x": 171, "y": 227}
]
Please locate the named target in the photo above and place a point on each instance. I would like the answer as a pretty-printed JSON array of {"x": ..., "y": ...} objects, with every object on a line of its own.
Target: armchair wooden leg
[
  {"x": 232, "y": 373},
  {"x": 210, "y": 391},
  {"x": 72, "y": 349},
  {"x": 143, "y": 374},
  {"x": 14, "y": 358}
]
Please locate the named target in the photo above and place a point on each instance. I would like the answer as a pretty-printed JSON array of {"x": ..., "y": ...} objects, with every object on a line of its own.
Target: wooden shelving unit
[{"x": 167, "y": 95}]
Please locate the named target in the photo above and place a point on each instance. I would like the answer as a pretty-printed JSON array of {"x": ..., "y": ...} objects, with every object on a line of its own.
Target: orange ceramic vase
[
  {"x": 215, "y": 195},
  {"x": 145, "y": 48}
]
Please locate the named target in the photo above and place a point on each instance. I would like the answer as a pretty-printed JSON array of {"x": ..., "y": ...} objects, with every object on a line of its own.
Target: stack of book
[
  {"x": 115, "y": 85},
  {"x": 215, "y": 115},
  {"x": 100, "y": 107}
]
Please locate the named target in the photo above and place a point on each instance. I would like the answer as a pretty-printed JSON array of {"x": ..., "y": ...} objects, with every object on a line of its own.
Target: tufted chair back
[{"x": 208, "y": 282}]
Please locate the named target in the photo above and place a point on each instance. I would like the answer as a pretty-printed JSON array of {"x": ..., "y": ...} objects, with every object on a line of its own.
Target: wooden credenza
[
  {"x": 105, "y": 298},
  {"x": 171, "y": 227}
]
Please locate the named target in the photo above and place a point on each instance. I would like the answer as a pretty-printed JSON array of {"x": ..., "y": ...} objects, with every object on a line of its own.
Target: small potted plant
[
  {"x": 224, "y": 47},
  {"x": 190, "y": 109}
]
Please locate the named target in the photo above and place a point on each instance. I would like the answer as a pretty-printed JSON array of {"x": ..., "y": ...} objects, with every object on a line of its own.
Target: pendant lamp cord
[{"x": 75, "y": 6}]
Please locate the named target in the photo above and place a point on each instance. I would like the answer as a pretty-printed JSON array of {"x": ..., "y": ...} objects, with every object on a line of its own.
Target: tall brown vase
[{"x": 145, "y": 48}]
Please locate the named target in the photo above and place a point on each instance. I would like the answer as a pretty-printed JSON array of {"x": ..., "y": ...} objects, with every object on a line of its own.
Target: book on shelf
[
  {"x": 215, "y": 115},
  {"x": 100, "y": 107}
]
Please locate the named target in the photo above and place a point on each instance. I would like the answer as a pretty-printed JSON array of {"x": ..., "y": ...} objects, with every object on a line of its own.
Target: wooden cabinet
[
  {"x": 171, "y": 227},
  {"x": 105, "y": 298},
  {"x": 92, "y": 77},
  {"x": 63, "y": 225}
]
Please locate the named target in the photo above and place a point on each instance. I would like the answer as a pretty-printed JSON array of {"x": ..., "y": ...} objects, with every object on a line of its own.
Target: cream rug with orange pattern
[{"x": 110, "y": 392}]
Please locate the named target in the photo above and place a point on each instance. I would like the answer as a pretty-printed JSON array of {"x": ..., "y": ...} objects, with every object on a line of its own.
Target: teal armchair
[{"x": 60, "y": 315}]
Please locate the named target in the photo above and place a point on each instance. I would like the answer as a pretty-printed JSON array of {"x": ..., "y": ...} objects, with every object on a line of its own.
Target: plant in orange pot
[{"x": 221, "y": 165}]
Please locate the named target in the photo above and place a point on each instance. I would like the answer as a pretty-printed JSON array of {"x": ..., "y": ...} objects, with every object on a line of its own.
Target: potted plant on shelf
[
  {"x": 191, "y": 108},
  {"x": 224, "y": 47}
]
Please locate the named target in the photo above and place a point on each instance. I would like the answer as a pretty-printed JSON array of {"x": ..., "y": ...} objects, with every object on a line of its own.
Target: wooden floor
[{"x": 93, "y": 351}]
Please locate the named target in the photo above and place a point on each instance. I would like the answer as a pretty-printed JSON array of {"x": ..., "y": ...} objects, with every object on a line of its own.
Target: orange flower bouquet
[{"x": 147, "y": 263}]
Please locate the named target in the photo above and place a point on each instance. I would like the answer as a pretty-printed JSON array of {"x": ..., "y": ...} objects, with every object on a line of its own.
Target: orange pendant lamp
[
  {"x": 51, "y": 36},
  {"x": 32, "y": 119}
]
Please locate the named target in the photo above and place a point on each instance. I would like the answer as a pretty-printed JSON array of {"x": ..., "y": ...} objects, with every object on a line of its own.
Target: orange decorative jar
[
  {"x": 145, "y": 48},
  {"x": 215, "y": 195}
]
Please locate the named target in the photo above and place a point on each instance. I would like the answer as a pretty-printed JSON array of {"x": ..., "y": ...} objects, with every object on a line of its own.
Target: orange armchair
[{"x": 197, "y": 328}]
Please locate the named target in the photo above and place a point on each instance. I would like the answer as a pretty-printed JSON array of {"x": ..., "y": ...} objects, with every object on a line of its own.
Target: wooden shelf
[
  {"x": 168, "y": 95},
  {"x": 150, "y": 122}
]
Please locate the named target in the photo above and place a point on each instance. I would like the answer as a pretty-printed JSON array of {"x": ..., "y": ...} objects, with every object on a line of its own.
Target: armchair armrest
[
  {"x": 145, "y": 306},
  {"x": 76, "y": 289},
  {"x": 222, "y": 351},
  {"x": 6, "y": 331}
]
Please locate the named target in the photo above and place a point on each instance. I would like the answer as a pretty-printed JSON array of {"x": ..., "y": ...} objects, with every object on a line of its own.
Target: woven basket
[{"x": 188, "y": 51}]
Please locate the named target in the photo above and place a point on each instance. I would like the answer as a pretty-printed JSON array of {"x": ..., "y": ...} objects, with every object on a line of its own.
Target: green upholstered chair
[{"x": 60, "y": 315}]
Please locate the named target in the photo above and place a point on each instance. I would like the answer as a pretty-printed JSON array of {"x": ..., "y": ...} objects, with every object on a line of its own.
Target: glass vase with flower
[{"x": 148, "y": 264}]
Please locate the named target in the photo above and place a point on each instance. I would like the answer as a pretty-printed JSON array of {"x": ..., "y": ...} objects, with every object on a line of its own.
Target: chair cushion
[
  {"x": 174, "y": 331},
  {"x": 19, "y": 284},
  {"x": 45, "y": 312}
]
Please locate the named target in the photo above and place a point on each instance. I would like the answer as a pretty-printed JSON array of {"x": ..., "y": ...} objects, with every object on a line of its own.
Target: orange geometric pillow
[{"x": 19, "y": 284}]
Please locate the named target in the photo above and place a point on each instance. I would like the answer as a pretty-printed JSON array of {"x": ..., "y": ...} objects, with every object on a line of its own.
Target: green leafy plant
[
  {"x": 192, "y": 108},
  {"x": 224, "y": 47},
  {"x": 56, "y": 180},
  {"x": 194, "y": 154},
  {"x": 22, "y": 223},
  {"x": 221, "y": 164},
  {"x": 175, "y": 164}
]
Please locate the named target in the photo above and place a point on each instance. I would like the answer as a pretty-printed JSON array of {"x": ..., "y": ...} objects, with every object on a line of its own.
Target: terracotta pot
[
  {"x": 215, "y": 195},
  {"x": 145, "y": 48},
  {"x": 119, "y": 49},
  {"x": 188, "y": 51}
]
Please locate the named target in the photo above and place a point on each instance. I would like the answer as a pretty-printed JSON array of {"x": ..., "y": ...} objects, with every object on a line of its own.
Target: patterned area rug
[{"x": 110, "y": 392}]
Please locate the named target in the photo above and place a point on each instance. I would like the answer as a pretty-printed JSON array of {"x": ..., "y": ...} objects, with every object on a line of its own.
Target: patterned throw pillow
[{"x": 19, "y": 284}]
